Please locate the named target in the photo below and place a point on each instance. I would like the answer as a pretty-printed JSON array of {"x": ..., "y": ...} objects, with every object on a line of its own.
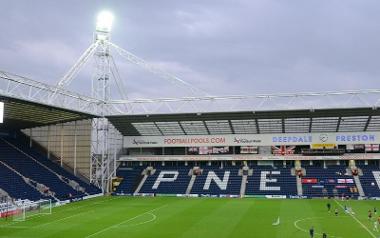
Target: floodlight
[
  {"x": 1, "y": 112},
  {"x": 104, "y": 21}
]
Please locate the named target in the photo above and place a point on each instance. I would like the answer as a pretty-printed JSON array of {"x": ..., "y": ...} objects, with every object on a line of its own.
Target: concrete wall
[{"x": 69, "y": 142}]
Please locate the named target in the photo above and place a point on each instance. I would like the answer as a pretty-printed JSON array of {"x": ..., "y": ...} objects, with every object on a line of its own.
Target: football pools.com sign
[{"x": 253, "y": 139}]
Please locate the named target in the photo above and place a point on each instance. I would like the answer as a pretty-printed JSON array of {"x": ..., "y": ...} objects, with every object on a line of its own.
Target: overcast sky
[{"x": 223, "y": 47}]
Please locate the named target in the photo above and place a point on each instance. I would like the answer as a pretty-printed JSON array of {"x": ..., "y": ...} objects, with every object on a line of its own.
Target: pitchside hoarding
[
  {"x": 344, "y": 138},
  {"x": 361, "y": 156}
]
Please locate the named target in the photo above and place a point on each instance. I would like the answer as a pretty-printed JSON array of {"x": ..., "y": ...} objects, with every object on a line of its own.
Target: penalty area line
[
  {"x": 312, "y": 218},
  {"x": 125, "y": 221},
  {"x": 357, "y": 220}
]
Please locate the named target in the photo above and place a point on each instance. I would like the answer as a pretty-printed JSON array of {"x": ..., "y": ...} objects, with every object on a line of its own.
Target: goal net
[{"x": 25, "y": 209}]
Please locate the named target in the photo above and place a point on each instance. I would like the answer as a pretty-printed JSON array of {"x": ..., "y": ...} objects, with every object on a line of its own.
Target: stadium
[{"x": 264, "y": 165}]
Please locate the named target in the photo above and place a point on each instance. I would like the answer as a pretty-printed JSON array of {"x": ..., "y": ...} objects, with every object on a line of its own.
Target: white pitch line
[
  {"x": 311, "y": 218},
  {"x": 357, "y": 220},
  {"x": 17, "y": 222},
  {"x": 16, "y": 227},
  {"x": 125, "y": 221},
  {"x": 91, "y": 204},
  {"x": 154, "y": 217},
  {"x": 62, "y": 219},
  {"x": 70, "y": 209}
]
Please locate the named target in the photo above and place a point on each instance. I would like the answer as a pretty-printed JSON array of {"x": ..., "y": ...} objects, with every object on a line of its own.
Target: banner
[
  {"x": 371, "y": 148},
  {"x": 344, "y": 138},
  {"x": 350, "y": 147},
  {"x": 323, "y": 146},
  {"x": 193, "y": 150},
  {"x": 318, "y": 186},
  {"x": 330, "y": 181},
  {"x": 205, "y": 150},
  {"x": 249, "y": 150},
  {"x": 345, "y": 181},
  {"x": 309, "y": 180},
  {"x": 358, "y": 147},
  {"x": 341, "y": 186},
  {"x": 283, "y": 150},
  {"x": 221, "y": 150}
]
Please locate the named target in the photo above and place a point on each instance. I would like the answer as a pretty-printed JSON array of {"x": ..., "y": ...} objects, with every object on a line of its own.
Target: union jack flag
[{"x": 283, "y": 150}]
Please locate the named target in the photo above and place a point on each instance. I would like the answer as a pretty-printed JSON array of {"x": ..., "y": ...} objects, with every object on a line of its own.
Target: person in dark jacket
[{"x": 311, "y": 232}]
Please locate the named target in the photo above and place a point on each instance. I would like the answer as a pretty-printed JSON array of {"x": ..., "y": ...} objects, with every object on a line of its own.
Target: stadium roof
[
  {"x": 261, "y": 122},
  {"x": 20, "y": 114}
]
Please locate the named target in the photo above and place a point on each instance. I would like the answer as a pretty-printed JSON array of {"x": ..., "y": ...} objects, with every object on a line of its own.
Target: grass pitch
[{"x": 196, "y": 217}]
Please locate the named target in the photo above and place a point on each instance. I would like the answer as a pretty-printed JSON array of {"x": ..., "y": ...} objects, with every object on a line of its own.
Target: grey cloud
[{"x": 224, "y": 47}]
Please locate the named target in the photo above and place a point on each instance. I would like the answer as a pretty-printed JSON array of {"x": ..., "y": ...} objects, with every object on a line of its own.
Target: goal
[{"x": 26, "y": 209}]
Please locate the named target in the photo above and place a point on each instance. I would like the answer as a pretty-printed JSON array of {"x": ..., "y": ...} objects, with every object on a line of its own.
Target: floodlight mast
[
  {"x": 103, "y": 161},
  {"x": 102, "y": 35},
  {"x": 100, "y": 89}
]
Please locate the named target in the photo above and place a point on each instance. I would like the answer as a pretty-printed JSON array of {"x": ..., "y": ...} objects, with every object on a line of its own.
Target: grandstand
[
  {"x": 320, "y": 153},
  {"x": 58, "y": 147},
  {"x": 32, "y": 167},
  {"x": 294, "y": 153}
]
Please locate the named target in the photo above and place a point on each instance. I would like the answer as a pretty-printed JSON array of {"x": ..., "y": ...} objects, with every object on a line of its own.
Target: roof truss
[{"x": 297, "y": 121}]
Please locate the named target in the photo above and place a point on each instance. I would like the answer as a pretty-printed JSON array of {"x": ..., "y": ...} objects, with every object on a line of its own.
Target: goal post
[{"x": 26, "y": 209}]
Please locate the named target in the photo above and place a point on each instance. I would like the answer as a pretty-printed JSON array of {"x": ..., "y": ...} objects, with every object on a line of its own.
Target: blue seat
[
  {"x": 16, "y": 187},
  {"x": 179, "y": 186},
  {"x": 232, "y": 187},
  {"x": 33, "y": 165},
  {"x": 328, "y": 180},
  {"x": 369, "y": 184},
  {"x": 131, "y": 177},
  {"x": 281, "y": 177}
]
